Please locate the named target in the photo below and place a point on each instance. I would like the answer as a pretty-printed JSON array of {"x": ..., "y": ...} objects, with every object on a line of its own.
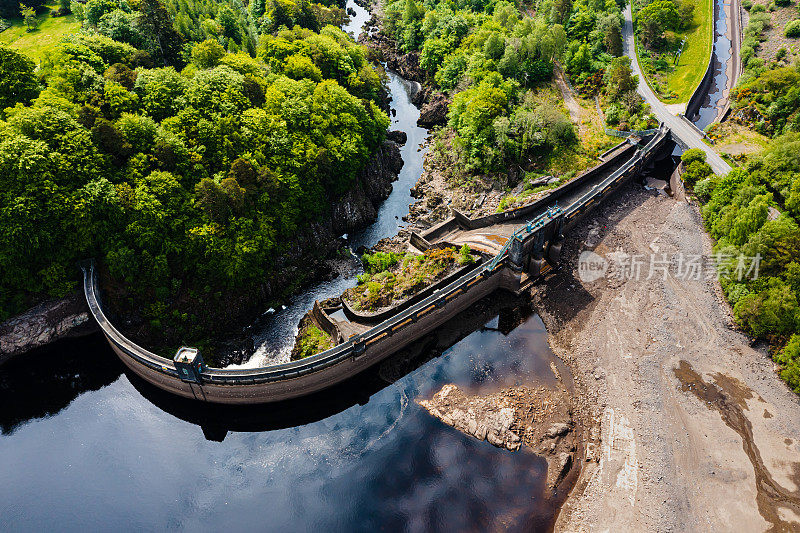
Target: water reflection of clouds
[{"x": 113, "y": 457}]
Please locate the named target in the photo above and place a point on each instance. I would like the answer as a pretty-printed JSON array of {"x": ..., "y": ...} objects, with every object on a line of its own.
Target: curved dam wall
[{"x": 291, "y": 380}]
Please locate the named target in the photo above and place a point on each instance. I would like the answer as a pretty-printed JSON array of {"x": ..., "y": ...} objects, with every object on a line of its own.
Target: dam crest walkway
[{"x": 517, "y": 247}]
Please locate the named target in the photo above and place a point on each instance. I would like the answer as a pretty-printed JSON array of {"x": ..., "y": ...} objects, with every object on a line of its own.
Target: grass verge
[
  {"x": 40, "y": 41},
  {"x": 677, "y": 82}
]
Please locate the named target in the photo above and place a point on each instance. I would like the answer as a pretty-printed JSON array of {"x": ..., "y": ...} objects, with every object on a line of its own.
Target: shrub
[
  {"x": 790, "y": 352},
  {"x": 780, "y": 54},
  {"x": 783, "y": 3},
  {"x": 465, "y": 256},
  {"x": 505, "y": 202},
  {"x": 379, "y": 261},
  {"x": 758, "y": 8},
  {"x": 771, "y": 312},
  {"x": 792, "y": 29},
  {"x": 312, "y": 341},
  {"x": 692, "y": 155},
  {"x": 791, "y": 375},
  {"x": 696, "y": 171},
  {"x": 789, "y": 359},
  {"x": 772, "y": 6},
  {"x": 704, "y": 188},
  {"x": 747, "y": 4}
]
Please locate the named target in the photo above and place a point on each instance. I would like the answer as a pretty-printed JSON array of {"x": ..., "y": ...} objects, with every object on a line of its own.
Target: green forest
[
  {"x": 755, "y": 209},
  {"x": 185, "y": 143},
  {"x": 186, "y": 169},
  {"x": 488, "y": 55}
]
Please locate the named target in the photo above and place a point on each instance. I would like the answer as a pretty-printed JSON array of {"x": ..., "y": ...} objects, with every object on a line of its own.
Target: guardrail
[
  {"x": 534, "y": 225},
  {"x": 620, "y": 133},
  {"x": 356, "y": 345},
  {"x": 353, "y": 347},
  {"x": 145, "y": 357},
  {"x": 618, "y": 175},
  {"x": 556, "y": 194}
]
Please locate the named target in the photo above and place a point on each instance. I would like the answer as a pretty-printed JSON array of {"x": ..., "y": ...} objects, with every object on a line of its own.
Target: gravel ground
[{"x": 687, "y": 426}]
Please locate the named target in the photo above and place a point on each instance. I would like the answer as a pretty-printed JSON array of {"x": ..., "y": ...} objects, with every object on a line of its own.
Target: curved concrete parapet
[
  {"x": 186, "y": 375},
  {"x": 299, "y": 378}
]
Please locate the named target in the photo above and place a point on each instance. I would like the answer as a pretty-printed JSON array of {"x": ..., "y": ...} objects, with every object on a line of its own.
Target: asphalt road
[{"x": 680, "y": 128}]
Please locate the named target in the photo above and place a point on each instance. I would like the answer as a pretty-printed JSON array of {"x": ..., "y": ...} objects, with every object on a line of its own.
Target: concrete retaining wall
[
  {"x": 380, "y": 316},
  {"x": 299, "y": 378},
  {"x": 701, "y": 92},
  {"x": 418, "y": 241},
  {"x": 460, "y": 220},
  {"x": 303, "y": 377},
  {"x": 325, "y": 323}
]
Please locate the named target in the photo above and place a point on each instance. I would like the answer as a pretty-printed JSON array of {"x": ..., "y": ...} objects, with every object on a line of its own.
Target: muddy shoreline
[{"x": 660, "y": 454}]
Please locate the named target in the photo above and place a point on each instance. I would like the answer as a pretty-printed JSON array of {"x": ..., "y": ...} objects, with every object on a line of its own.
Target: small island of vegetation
[{"x": 390, "y": 278}]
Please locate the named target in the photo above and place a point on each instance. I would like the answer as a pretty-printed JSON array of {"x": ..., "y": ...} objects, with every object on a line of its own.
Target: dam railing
[{"x": 356, "y": 345}]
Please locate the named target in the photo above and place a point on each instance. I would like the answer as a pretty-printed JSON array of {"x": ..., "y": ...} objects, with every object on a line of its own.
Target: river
[
  {"x": 275, "y": 338},
  {"x": 86, "y": 446}
]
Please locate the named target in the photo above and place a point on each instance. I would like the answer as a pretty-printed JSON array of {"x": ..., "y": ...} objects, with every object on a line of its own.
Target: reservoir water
[{"x": 85, "y": 446}]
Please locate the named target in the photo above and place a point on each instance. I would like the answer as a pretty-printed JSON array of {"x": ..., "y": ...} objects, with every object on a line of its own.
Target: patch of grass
[
  {"x": 405, "y": 278},
  {"x": 678, "y": 82},
  {"x": 311, "y": 341},
  {"x": 39, "y": 42},
  {"x": 592, "y": 141},
  {"x": 696, "y": 53},
  {"x": 735, "y": 141}
]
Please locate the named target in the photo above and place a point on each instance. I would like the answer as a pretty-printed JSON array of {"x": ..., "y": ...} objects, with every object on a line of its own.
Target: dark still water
[{"x": 86, "y": 447}]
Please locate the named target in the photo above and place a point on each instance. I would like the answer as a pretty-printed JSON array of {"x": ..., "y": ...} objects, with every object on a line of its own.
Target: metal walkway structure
[{"x": 520, "y": 245}]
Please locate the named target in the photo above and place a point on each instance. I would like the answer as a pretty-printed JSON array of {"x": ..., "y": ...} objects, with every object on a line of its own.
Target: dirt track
[{"x": 687, "y": 426}]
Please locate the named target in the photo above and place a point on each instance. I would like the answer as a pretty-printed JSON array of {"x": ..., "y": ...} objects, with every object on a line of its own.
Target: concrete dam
[{"x": 518, "y": 247}]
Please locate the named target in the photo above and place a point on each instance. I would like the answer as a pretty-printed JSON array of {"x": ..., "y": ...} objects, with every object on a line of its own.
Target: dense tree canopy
[
  {"x": 18, "y": 83},
  {"x": 753, "y": 212},
  {"x": 182, "y": 181}
]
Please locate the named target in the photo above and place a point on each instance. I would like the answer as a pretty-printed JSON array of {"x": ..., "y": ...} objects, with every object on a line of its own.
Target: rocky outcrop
[
  {"x": 45, "y": 323},
  {"x": 434, "y": 113},
  {"x": 397, "y": 136},
  {"x": 386, "y": 50},
  {"x": 359, "y": 206},
  {"x": 539, "y": 418}
]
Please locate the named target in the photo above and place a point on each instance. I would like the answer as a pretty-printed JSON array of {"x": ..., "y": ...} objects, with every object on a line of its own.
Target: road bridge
[
  {"x": 519, "y": 246},
  {"x": 684, "y": 133}
]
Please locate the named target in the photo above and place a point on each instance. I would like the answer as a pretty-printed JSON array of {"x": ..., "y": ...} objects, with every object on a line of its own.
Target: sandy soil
[{"x": 687, "y": 426}]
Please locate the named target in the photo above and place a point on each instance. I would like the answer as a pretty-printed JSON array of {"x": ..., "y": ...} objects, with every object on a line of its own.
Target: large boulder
[
  {"x": 434, "y": 113},
  {"x": 45, "y": 323}
]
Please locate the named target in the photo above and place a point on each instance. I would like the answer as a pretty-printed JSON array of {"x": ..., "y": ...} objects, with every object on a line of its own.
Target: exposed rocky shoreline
[
  {"x": 537, "y": 417},
  {"x": 47, "y": 322}
]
